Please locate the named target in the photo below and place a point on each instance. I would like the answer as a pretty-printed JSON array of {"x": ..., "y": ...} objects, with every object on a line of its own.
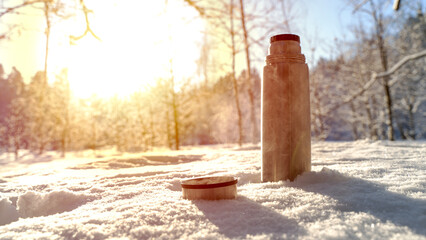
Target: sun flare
[{"x": 137, "y": 43}]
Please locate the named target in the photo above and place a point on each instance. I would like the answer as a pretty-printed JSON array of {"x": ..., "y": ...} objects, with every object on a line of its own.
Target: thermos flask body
[{"x": 286, "y": 138}]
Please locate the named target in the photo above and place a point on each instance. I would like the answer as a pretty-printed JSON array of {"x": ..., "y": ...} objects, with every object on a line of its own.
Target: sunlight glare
[{"x": 135, "y": 49}]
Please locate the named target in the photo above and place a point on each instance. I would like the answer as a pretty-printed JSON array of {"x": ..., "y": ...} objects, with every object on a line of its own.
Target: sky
[
  {"x": 323, "y": 24},
  {"x": 133, "y": 56}
]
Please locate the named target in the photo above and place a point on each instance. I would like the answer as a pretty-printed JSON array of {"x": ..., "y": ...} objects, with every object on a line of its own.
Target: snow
[
  {"x": 8, "y": 212},
  {"x": 362, "y": 189},
  {"x": 33, "y": 204}
]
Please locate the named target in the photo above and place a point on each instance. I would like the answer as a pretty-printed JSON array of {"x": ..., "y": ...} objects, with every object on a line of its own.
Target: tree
[
  {"x": 41, "y": 123},
  {"x": 358, "y": 71},
  {"x": 254, "y": 124},
  {"x": 375, "y": 11},
  {"x": 53, "y": 11},
  {"x": 410, "y": 87},
  {"x": 224, "y": 123},
  {"x": 257, "y": 21},
  {"x": 15, "y": 119},
  {"x": 234, "y": 79},
  {"x": 40, "y": 93},
  {"x": 61, "y": 110},
  {"x": 358, "y": 65}
]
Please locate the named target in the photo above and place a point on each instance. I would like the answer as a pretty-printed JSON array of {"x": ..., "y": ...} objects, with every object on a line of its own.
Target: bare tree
[
  {"x": 220, "y": 16},
  {"x": 171, "y": 87},
  {"x": 248, "y": 73},
  {"x": 409, "y": 82},
  {"x": 375, "y": 11},
  {"x": 59, "y": 9},
  {"x": 234, "y": 79},
  {"x": 16, "y": 119},
  {"x": 53, "y": 11},
  {"x": 61, "y": 110}
]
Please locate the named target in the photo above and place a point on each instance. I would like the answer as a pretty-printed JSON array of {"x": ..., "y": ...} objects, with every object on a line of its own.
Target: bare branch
[
  {"x": 199, "y": 9},
  {"x": 396, "y": 5},
  {"x": 359, "y": 6},
  {"x": 17, "y": 7},
  {"x": 375, "y": 76},
  {"x": 86, "y": 12},
  {"x": 399, "y": 64}
]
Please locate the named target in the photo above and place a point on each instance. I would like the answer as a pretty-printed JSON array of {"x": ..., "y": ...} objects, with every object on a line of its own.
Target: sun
[{"x": 137, "y": 42}]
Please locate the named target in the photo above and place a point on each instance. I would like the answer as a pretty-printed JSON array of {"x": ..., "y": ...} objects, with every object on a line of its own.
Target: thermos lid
[
  {"x": 284, "y": 37},
  {"x": 209, "y": 182},
  {"x": 210, "y": 188}
]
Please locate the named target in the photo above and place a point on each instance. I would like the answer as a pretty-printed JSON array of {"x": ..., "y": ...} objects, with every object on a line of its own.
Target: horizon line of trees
[{"x": 41, "y": 116}]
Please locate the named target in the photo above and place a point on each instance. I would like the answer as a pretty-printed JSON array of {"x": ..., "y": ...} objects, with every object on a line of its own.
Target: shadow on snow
[
  {"x": 358, "y": 195},
  {"x": 242, "y": 216}
]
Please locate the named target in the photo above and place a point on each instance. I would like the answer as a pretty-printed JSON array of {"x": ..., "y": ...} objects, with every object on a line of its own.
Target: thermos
[{"x": 286, "y": 131}]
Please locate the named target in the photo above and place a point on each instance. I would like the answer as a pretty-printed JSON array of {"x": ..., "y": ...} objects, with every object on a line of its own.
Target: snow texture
[
  {"x": 356, "y": 190},
  {"x": 33, "y": 204},
  {"x": 8, "y": 212}
]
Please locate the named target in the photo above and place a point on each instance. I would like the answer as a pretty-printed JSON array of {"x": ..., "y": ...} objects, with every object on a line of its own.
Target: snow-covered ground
[{"x": 356, "y": 190}]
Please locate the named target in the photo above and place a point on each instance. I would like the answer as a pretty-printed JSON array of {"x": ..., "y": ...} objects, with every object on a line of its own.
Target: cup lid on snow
[
  {"x": 209, "y": 182},
  {"x": 210, "y": 188}
]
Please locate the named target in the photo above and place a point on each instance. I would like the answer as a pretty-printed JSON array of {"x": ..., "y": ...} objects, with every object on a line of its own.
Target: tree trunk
[
  {"x": 234, "y": 80},
  {"x": 151, "y": 124},
  {"x": 94, "y": 135},
  {"x": 47, "y": 32},
  {"x": 65, "y": 130},
  {"x": 41, "y": 118},
  {"x": 175, "y": 117},
  {"x": 16, "y": 150},
  {"x": 389, "y": 121},
  {"x": 378, "y": 20},
  {"x": 371, "y": 123},
  {"x": 412, "y": 131},
  {"x": 248, "y": 73},
  {"x": 169, "y": 135},
  {"x": 63, "y": 143},
  {"x": 401, "y": 130},
  {"x": 319, "y": 129},
  {"x": 174, "y": 104},
  {"x": 355, "y": 133},
  {"x": 172, "y": 91}
]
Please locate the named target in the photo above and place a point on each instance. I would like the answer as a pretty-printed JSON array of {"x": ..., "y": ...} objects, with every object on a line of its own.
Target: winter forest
[{"x": 371, "y": 84}]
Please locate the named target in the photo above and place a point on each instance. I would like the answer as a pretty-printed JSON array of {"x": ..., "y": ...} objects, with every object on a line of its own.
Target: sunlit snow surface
[{"x": 368, "y": 190}]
